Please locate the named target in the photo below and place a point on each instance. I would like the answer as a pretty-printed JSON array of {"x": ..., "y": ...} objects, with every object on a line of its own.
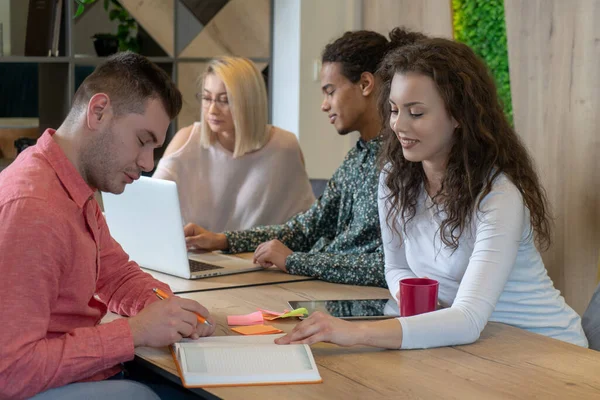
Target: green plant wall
[{"x": 480, "y": 25}]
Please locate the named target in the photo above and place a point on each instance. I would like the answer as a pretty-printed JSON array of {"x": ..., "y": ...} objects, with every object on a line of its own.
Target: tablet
[{"x": 351, "y": 309}]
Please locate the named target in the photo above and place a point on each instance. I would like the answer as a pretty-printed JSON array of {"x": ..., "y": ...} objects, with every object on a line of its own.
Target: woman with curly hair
[{"x": 459, "y": 202}]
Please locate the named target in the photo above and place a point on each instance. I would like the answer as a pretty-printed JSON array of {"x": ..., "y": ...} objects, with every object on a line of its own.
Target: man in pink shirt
[{"x": 60, "y": 269}]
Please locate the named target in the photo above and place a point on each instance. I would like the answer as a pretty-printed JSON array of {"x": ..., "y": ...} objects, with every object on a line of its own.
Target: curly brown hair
[{"x": 485, "y": 145}]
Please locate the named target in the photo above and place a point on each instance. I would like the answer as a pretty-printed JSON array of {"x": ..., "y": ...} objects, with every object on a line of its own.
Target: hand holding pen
[
  {"x": 165, "y": 322},
  {"x": 162, "y": 295}
]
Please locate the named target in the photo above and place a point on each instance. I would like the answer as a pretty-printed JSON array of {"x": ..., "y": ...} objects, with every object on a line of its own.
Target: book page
[
  {"x": 241, "y": 360},
  {"x": 226, "y": 341}
]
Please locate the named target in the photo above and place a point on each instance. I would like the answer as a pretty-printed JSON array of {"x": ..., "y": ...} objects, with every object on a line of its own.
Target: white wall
[
  {"x": 18, "y": 26},
  {"x": 302, "y": 29},
  {"x": 285, "y": 92}
]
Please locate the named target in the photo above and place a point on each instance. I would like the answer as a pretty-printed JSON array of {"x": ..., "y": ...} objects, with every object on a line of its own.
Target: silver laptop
[{"x": 146, "y": 221}]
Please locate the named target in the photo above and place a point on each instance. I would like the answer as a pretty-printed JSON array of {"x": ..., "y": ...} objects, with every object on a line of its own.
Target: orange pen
[{"x": 162, "y": 295}]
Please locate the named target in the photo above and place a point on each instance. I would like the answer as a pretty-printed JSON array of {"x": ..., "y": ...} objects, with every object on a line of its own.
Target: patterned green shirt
[{"x": 338, "y": 239}]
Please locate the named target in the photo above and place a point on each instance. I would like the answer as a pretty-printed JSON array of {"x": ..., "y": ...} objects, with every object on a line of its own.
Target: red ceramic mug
[{"x": 418, "y": 296}]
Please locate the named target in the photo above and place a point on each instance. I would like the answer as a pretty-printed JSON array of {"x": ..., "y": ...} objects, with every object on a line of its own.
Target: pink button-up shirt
[{"x": 60, "y": 270}]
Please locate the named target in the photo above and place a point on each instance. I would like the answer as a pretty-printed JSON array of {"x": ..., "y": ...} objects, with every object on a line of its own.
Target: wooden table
[
  {"x": 254, "y": 278},
  {"x": 506, "y": 362}
]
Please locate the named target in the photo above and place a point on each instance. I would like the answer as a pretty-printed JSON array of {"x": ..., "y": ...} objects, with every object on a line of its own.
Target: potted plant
[
  {"x": 105, "y": 44},
  {"x": 81, "y": 6},
  {"x": 127, "y": 30}
]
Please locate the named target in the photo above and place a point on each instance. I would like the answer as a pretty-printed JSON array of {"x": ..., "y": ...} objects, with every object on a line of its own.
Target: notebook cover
[{"x": 183, "y": 382}]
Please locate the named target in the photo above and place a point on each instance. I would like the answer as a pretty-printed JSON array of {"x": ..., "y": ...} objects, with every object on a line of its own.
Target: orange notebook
[{"x": 243, "y": 360}]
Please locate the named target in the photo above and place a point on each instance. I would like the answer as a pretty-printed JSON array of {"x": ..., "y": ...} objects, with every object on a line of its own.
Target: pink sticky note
[{"x": 255, "y": 318}]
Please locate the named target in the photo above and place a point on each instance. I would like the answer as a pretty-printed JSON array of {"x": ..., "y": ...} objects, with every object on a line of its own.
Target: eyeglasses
[{"x": 207, "y": 101}]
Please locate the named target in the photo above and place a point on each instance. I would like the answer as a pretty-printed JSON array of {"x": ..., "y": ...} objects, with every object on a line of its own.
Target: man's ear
[
  {"x": 98, "y": 111},
  {"x": 367, "y": 83}
]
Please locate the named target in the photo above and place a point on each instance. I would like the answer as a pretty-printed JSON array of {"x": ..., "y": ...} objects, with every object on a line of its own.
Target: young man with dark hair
[
  {"x": 338, "y": 239},
  {"x": 61, "y": 270}
]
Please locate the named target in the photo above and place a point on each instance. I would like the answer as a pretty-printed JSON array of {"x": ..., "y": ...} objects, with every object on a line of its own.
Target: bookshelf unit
[{"x": 185, "y": 58}]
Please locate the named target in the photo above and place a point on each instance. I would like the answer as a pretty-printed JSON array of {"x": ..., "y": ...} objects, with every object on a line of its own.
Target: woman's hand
[{"x": 321, "y": 327}]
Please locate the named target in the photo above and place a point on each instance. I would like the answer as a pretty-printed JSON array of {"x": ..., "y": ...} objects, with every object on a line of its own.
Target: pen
[{"x": 162, "y": 295}]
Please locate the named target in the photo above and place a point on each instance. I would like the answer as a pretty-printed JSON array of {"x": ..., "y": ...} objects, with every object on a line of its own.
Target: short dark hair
[
  {"x": 129, "y": 79},
  {"x": 362, "y": 51}
]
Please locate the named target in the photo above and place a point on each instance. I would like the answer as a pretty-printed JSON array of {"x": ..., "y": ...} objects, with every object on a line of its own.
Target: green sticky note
[{"x": 295, "y": 313}]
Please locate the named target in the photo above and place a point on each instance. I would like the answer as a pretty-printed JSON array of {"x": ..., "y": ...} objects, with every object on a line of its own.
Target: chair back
[{"x": 318, "y": 186}]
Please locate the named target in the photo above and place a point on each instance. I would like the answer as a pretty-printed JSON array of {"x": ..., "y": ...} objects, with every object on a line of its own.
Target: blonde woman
[{"x": 233, "y": 170}]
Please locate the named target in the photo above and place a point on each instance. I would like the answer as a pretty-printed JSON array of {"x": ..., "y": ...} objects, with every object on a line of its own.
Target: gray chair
[
  {"x": 318, "y": 186},
  {"x": 591, "y": 321}
]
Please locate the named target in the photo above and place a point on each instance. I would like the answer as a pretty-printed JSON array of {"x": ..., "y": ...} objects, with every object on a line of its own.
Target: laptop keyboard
[{"x": 197, "y": 266}]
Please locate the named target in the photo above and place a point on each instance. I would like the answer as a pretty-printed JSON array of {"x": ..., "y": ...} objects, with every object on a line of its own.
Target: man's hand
[
  {"x": 167, "y": 321},
  {"x": 272, "y": 253},
  {"x": 202, "y": 239}
]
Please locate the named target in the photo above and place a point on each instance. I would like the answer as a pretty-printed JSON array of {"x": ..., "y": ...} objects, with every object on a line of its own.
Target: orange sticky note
[
  {"x": 256, "y": 330},
  {"x": 269, "y": 312},
  {"x": 270, "y": 317}
]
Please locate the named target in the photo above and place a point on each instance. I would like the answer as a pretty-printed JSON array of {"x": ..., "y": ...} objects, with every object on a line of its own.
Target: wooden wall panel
[
  {"x": 204, "y": 10},
  {"x": 156, "y": 16},
  {"x": 554, "y": 55},
  {"x": 433, "y": 17},
  {"x": 240, "y": 28}
]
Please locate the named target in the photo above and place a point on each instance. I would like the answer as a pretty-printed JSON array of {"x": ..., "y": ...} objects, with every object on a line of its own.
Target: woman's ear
[{"x": 367, "y": 83}]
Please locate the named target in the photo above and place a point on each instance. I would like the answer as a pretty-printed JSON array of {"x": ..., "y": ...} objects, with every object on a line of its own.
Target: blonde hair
[{"x": 247, "y": 97}]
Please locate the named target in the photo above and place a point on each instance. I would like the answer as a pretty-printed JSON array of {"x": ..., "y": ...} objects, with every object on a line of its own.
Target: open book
[{"x": 243, "y": 360}]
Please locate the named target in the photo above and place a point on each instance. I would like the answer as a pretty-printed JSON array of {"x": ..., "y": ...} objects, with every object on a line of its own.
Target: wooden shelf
[
  {"x": 8, "y": 123},
  {"x": 8, "y": 136},
  {"x": 96, "y": 60},
  {"x": 207, "y": 59},
  {"x": 91, "y": 60},
  {"x": 38, "y": 60},
  {"x": 170, "y": 25}
]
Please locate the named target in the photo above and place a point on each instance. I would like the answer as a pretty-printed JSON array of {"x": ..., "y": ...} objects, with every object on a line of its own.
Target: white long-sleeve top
[{"x": 496, "y": 273}]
